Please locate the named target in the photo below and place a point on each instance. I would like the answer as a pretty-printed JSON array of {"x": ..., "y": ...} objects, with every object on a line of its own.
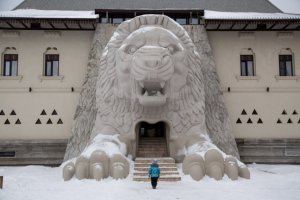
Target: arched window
[
  {"x": 247, "y": 64},
  {"x": 286, "y": 67},
  {"x": 10, "y": 62},
  {"x": 51, "y": 66}
]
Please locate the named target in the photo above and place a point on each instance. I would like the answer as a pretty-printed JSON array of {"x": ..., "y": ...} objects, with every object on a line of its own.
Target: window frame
[
  {"x": 246, "y": 65},
  {"x": 51, "y": 58},
  {"x": 10, "y": 58},
  {"x": 282, "y": 59}
]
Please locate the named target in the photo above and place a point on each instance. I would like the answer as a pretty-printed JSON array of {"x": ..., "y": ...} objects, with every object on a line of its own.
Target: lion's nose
[{"x": 153, "y": 63}]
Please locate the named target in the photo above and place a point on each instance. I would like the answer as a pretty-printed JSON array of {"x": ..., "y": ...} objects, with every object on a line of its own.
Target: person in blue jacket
[{"x": 154, "y": 172}]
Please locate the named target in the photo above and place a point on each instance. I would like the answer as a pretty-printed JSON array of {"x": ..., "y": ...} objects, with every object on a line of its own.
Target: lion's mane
[{"x": 121, "y": 112}]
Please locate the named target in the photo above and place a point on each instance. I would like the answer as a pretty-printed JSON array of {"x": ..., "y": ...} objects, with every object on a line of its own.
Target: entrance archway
[{"x": 152, "y": 139}]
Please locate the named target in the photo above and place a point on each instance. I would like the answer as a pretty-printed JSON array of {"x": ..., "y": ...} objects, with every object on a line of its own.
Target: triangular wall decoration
[
  {"x": 295, "y": 112},
  {"x": 38, "y": 121},
  {"x": 49, "y": 121},
  {"x": 289, "y": 121},
  {"x": 244, "y": 112},
  {"x": 13, "y": 112},
  {"x": 249, "y": 121},
  {"x": 279, "y": 121},
  {"x": 283, "y": 112},
  {"x": 238, "y": 121},
  {"x": 59, "y": 121},
  {"x": 2, "y": 112},
  {"x": 43, "y": 112},
  {"x": 18, "y": 121},
  {"x": 6, "y": 121},
  {"x": 259, "y": 121},
  {"x": 254, "y": 112},
  {"x": 54, "y": 112}
]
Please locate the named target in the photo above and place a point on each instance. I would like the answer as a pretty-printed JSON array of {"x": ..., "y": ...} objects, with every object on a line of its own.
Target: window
[
  {"x": 286, "y": 65},
  {"x": 10, "y": 65},
  {"x": 247, "y": 65},
  {"x": 51, "y": 65}
]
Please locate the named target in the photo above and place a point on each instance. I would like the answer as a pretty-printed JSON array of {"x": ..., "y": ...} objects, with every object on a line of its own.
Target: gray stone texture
[{"x": 85, "y": 114}]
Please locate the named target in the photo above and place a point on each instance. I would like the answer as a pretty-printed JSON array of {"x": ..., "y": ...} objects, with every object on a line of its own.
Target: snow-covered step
[
  {"x": 161, "y": 168},
  {"x": 168, "y": 169},
  {"x": 160, "y": 164},
  {"x": 152, "y": 147},
  {"x": 141, "y": 173},
  {"x": 159, "y": 160}
]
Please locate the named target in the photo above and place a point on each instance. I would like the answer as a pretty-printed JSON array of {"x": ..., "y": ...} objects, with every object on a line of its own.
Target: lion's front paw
[
  {"x": 97, "y": 166},
  {"x": 214, "y": 165}
]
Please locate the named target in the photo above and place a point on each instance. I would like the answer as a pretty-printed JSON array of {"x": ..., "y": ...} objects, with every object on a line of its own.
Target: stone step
[
  {"x": 152, "y": 142},
  {"x": 152, "y": 145},
  {"x": 160, "y": 165},
  {"x": 152, "y": 148},
  {"x": 168, "y": 169},
  {"x": 155, "y": 151},
  {"x": 162, "y": 169},
  {"x": 163, "y": 173},
  {"x": 150, "y": 154},
  {"x": 156, "y": 144},
  {"x": 159, "y": 160}
]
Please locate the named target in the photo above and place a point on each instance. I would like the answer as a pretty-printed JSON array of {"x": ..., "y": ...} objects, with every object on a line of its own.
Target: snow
[
  {"x": 268, "y": 182},
  {"x": 248, "y": 15},
  {"x": 57, "y": 14},
  {"x": 208, "y": 14},
  {"x": 110, "y": 144}
]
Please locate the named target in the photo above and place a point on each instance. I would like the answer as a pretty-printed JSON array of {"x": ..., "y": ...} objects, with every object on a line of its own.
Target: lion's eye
[
  {"x": 132, "y": 49},
  {"x": 172, "y": 49}
]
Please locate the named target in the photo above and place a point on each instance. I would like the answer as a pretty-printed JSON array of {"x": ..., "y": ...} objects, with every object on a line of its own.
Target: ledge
[
  {"x": 238, "y": 78},
  {"x": 43, "y": 78},
  {"x": 14, "y": 78},
  {"x": 296, "y": 78}
]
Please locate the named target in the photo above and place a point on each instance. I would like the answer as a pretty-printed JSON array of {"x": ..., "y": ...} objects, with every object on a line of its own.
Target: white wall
[
  {"x": 252, "y": 94},
  {"x": 73, "y": 48}
]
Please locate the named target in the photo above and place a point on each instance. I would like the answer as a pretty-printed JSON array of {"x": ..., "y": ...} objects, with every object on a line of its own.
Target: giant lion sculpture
[{"x": 150, "y": 71}]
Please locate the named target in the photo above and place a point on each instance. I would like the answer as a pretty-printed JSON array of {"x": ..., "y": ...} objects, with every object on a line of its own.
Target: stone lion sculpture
[{"x": 150, "y": 71}]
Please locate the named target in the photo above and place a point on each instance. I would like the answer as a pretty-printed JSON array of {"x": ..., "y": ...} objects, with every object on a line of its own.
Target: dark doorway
[
  {"x": 152, "y": 139},
  {"x": 152, "y": 130}
]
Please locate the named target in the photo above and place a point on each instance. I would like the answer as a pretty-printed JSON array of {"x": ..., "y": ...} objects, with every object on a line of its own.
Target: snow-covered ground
[{"x": 268, "y": 182}]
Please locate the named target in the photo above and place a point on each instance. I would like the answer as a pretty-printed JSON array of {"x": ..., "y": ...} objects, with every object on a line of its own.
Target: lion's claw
[
  {"x": 214, "y": 166},
  {"x": 97, "y": 166}
]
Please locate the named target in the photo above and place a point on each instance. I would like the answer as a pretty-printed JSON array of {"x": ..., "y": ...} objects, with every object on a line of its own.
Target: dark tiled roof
[{"x": 217, "y": 5}]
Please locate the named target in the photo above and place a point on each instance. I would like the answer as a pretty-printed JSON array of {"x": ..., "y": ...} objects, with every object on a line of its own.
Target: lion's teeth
[
  {"x": 146, "y": 93},
  {"x": 162, "y": 84},
  {"x": 141, "y": 84},
  {"x": 159, "y": 93}
]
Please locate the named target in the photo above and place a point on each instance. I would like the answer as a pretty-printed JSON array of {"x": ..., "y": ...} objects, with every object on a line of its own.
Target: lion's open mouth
[{"x": 151, "y": 93}]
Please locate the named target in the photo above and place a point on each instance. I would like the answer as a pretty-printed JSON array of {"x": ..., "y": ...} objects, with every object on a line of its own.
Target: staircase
[
  {"x": 152, "y": 147},
  {"x": 167, "y": 165}
]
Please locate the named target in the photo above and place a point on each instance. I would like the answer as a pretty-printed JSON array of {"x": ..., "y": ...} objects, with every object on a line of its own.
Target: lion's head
[
  {"x": 156, "y": 62},
  {"x": 150, "y": 70}
]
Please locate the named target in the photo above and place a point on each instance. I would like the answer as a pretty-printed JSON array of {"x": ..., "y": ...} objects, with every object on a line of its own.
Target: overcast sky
[
  {"x": 9, "y": 4},
  {"x": 288, "y": 6}
]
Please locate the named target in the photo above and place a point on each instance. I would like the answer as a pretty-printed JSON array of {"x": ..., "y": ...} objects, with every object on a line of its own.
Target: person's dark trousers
[{"x": 154, "y": 182}]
